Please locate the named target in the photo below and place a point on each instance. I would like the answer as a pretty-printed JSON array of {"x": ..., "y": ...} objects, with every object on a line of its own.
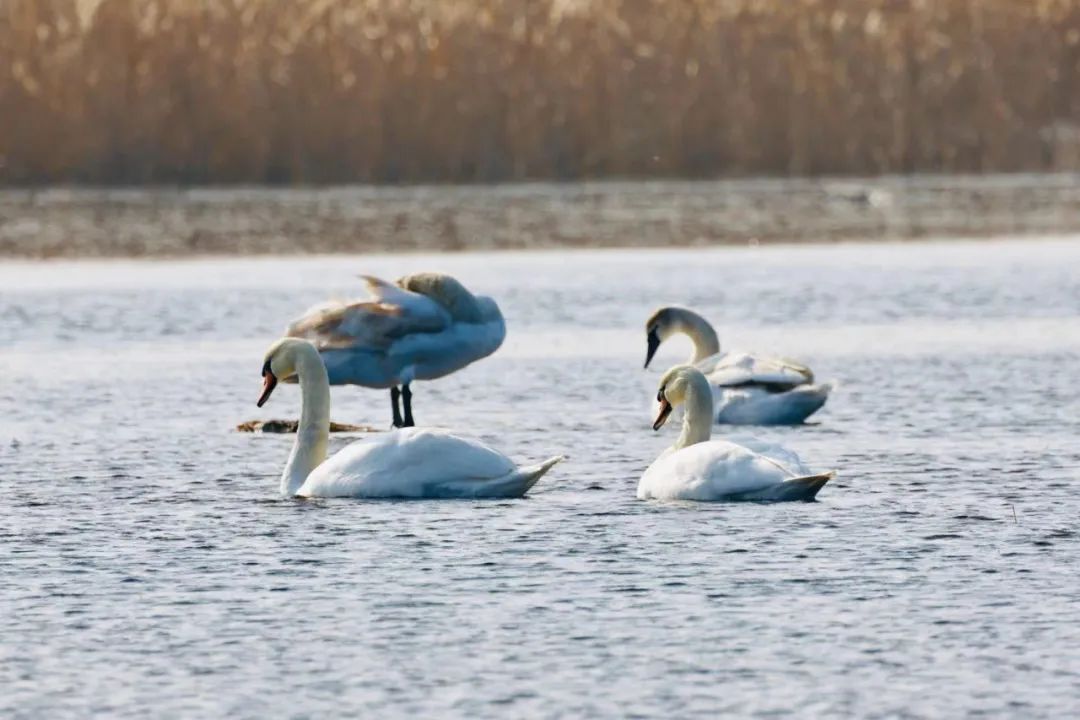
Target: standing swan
[
  {"x": 408, "y": 463},
  {"x": 748, "y": 389},
  {"x": 424, "y": 327},
  {"x": 697, "y": 468}
]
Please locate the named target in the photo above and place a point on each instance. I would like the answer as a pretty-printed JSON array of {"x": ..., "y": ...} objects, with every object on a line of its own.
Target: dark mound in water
[{"x": 289, "y": 426}]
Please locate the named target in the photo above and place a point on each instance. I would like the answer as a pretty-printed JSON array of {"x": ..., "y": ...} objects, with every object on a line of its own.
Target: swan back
[
  {"x": 740, "y": 368},
  {"x": 709, "y": 471},
  {"x": 720, "y": 470},
  {"x": 373, "y": 323},
  {"x": 419, "y": 463},
  {"x": 427, "y": 328}
]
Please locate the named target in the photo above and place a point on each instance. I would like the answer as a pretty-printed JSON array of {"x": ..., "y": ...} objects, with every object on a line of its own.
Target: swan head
[
  {"x": 658, "y": 328},
  {"x": 675, "y": 320},
  {"x": 280, "y": 363},
  {"x": 674, "y": 386}
]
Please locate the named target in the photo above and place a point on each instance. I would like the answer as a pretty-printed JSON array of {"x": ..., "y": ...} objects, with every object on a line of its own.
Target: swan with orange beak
[
  {"x": 269, "y": 383},
  {"x": 403, "y": 463},
  {"x": 699, "y": 468}
]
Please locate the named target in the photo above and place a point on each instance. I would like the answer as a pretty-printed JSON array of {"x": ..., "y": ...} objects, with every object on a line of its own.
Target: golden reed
[{"x": 299, "y": 91}]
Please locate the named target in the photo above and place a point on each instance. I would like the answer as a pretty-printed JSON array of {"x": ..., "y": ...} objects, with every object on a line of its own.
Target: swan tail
[
  {"x": 806, "y": 488},
  {"x": 528, "y": 476},
  {"x": 817, "y": 390},
  {"x": 805, "y": 400},
  {"x": 796, "y": 489},
  {"x": 512, "y": 485}
]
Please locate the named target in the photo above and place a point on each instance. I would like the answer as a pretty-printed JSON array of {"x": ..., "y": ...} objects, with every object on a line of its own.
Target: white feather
[{"x": 420, "y": 463}]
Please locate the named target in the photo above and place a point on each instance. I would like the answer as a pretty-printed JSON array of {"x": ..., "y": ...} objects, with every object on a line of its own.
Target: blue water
[{"x": 148, "y": 568}]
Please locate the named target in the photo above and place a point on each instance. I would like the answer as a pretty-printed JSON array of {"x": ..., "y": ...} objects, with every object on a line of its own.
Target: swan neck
[
  {"x": 700, "y": 332},
  {"x": 313, "y": 433},
  {"x": 698, "y": 417}
]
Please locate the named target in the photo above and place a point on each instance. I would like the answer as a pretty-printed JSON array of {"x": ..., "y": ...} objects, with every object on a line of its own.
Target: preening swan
[
  {"x": 748, "y": 389},
  {"x": 405, "y": 463},
  {"x": 697, "y": 468},
  {"x": 424, "y": 327}
]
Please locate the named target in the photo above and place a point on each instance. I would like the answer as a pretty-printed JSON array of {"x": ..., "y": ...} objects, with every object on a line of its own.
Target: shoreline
[
  {"x": 174, "y": 223},
  {"x": 1033, "y": 238}
]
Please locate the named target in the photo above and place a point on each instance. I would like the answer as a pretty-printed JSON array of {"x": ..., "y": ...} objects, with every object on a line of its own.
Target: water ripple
[{"x": 147, "y": 561}]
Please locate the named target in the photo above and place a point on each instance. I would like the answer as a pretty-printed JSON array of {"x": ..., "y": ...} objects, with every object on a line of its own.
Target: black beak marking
[{"x": 654, "y": 345}]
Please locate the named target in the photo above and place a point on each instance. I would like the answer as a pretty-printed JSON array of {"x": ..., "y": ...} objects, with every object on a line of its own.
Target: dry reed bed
[{"x": 193, "y": 91}]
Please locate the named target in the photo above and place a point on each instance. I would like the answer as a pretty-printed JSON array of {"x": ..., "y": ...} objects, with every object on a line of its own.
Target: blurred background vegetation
[{"x": 389, "y": 91}]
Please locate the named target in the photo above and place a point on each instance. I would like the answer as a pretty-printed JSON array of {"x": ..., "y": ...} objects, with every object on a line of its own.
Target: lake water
[{"x": 148, "y": 567}]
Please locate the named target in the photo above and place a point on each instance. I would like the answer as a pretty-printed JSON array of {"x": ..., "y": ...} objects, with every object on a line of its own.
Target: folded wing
[
  {"x": 739, "y": 369},
  {"x": 411, "y": 463},
  {"x": 374, "y": 323}
]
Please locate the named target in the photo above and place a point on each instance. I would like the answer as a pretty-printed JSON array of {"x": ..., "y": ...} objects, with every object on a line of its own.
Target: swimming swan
[
  {"x": 406, "y": 463},
  {"x": 425, "y": 326},
  {"x": 697, "y": 468},
  {"x": 747, "y": 389}
]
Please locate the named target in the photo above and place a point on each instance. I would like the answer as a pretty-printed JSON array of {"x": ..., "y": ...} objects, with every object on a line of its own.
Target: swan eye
[
  {"x": 660, "y": 395},
  {"x": 266, "y": 368}
]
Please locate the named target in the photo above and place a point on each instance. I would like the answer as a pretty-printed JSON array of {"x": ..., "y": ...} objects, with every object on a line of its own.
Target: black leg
[
  {"x": 394, "y": 395},
  {"x": 406, "y": 395}
]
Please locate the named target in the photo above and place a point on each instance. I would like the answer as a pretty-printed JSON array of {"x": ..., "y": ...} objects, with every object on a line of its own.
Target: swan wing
[
  {"x": 762, "y": 405},
  {"x": 786, "y": 458},
  {"x": 739, "y": 368},
  {"x": 714, "y": 470},
  {"x": 433, "y": 355},
  {"x": 375, "y": 323},
  {"x": 420, "y": 463}
]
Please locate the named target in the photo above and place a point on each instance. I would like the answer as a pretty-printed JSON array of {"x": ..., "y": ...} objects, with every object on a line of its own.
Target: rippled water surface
[{"x": 148, "y": 568}]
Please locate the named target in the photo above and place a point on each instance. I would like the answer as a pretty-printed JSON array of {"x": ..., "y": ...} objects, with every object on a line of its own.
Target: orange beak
[
  {"x": 269, "y": 383},
  {"x": 662, "y": 416}
]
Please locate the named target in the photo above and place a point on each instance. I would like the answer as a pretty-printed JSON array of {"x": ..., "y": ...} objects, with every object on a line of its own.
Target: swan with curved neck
[
  {"x": 749, "y": 389},
  {"x": 405, "y": 463},
  {"x": 423, "y": 327},
  {"x": 288, "y": 360},
  {"x": 698, "y": 468},
  {"x": 690, "y": 389},
  {"x": 676, "y": 320}
]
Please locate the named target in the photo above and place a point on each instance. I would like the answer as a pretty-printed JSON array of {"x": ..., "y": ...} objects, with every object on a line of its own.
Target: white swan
[
  {"x": 424, "y": 327},
  {"x": 406, "y": 463},
  {"x": 747, "y": 389},
  {"x": 697, "y": 468}
]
